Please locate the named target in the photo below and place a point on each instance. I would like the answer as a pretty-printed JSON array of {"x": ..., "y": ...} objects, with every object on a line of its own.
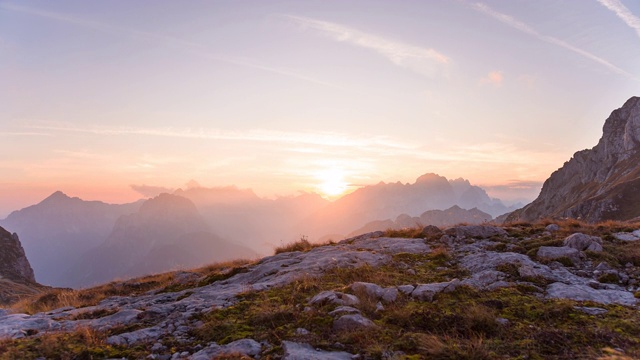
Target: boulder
[
  {"x": 484, "y": 279},
  {"x": 586, "y": 293},
  {"x": 426, "y": 292},
  {"x": 297, "y": 351},
  {"x": 558, "y": 252},
  {"x": 242, "y": 347},
  {"x": 583, "y": 242},
  {"x": 352, "y": 322},
  {"x": 591, "y": 310},
  {"x": 335, "y": 298},
  {"x": 406, "y": 289},
  {"x": 552, "y": 227},
  {"x": 430, "y": 231},
  {"x": 626, "y": 236},
  {"x": 375, "y": 291}
]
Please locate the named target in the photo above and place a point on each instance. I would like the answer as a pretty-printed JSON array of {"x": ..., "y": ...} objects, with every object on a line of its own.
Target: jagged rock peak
[
  {"x": 602, "y": 183},
  {"x": 13, "y": 261},
  {"x": 168, "y": 203},
  {"x": 430, "y": 178},
  {"x": 621, "y": 131}
]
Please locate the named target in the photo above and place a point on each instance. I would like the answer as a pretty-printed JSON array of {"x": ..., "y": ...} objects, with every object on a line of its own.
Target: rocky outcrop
[
  {"x": 16, "y": 275},
  {"x": 597, "y": 184},
  {"x": 13, "y": 261}
]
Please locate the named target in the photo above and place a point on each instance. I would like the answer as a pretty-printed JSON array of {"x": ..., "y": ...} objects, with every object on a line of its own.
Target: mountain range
[{"x": 71, "y": 242}]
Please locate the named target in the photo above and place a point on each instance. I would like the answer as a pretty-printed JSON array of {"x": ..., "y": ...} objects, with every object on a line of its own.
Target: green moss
[{"x": 610, "y": 278}]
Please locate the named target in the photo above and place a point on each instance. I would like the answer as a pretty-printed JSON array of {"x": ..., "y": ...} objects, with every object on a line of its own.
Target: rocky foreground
[{"x": 525, "y": 291}]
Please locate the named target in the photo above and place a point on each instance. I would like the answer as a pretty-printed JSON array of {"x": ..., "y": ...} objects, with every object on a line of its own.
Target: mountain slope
[
  {"x": 59, "y": 229},
  {"x": 449, "y": 217},
  {"x": 602, "y": 183},
  {"x": 167, "y": 232}
]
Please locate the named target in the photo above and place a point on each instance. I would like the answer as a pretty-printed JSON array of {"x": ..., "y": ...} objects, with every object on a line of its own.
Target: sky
[{"x": 107, "y": 100}]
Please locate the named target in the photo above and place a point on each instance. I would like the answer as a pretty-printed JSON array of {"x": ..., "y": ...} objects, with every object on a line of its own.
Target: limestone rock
[
  {"x": 334, "y": 297},
  {"x": 13, "y": 261},
  {"x": 431, "y": 231},
  {"x": 591, "y": 310},
  {"x": 352, "y": 322},
  {"x": 426, "y": 292},
  {"x": 602, "y": 183},
  {"x": 375, "y": 291},
  {"x": 552, "y": 228},
  {"x": 583, "y": 242},
  {"x": 246, "y": 347},
  {"x": 557, "y": 252},
  {"x": 586, "y": 293},
  {"x": 297, "y": 351},
  {"x": 625, "y": 236}
]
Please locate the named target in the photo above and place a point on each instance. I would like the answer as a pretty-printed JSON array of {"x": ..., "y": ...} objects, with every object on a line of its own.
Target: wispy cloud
[
  {"x": 425, "y": 61},
  {"x": 257, "y": 135},
  {"x": 519, "y": 25},
  {"x": 494, "y": 78},
  {"x": 623, "y": 13},
  {"x": 193, "y": 47},
  {"x": 23, "y": 133}
]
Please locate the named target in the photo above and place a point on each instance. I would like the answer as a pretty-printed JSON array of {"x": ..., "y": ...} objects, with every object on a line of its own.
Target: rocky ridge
[
  {"x": 546, "y": 264},
  {"x": 442, "y": 218},
  {"x": 16, "y": 275},
  {"x": 602, "y": 183}
]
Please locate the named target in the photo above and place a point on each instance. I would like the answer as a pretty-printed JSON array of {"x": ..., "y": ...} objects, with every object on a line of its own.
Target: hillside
[
  {"x": 442, "y": 218},
  {"x": 602, "y": 183},
  {"x": 166, "y": 233},
  {"x": 539, "y": 291}
]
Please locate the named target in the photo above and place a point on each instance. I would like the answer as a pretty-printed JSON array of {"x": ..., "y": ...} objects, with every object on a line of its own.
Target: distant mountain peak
[
  {"x": 56, "y": 196},
  {"x": 430, "y": 178}
]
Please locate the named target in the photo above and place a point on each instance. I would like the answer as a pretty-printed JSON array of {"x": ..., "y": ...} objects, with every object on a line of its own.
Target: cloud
[
  {"x": 150, "y": 191},
  {"x": 193, "y": 47},
  {"x": 623, "y": 13},
  {"x": 518, "y": 25},
  {"x": 257, "y": 135},
  {"x": 425, "y": 61},
  {"x": 494, "y": 78}
]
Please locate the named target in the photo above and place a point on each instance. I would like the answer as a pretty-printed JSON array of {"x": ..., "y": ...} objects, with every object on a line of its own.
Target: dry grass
[
  {"x": 301, "y": 245},
  {"x": 412, "y": 232},
  {"x": 59, "y": 298}
]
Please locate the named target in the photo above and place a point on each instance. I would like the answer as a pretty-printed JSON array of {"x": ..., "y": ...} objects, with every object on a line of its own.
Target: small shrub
[
  {"x": 610, "y": 278},
  {"x": 301, "y": 245}
]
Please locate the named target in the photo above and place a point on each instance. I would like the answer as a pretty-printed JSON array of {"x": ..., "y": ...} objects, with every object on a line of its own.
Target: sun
[{"x": 331, "y": 182}]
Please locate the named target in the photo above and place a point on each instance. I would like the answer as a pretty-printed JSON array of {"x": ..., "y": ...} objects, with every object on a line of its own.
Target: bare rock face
[
  {"x": 602, "y": 183},
  {"x": 13, "y": 261}
]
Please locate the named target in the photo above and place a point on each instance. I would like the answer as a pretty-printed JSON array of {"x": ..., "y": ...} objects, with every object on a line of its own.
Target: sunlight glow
[{"x": 332, "y": 182}]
